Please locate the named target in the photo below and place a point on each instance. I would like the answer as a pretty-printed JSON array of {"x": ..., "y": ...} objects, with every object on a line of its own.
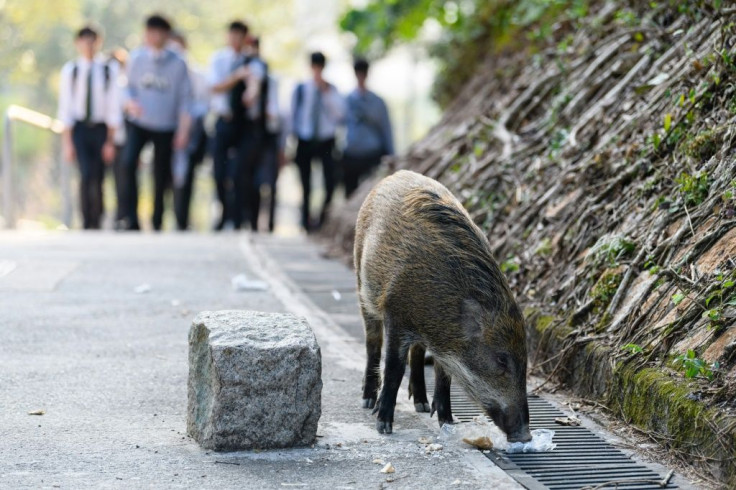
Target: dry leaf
[
  {"x": 389, "y": 468},
  {"x": 482, "y": 442},
  {"x": 37, "y": 412},
  {"x": 571, "y": 421},
  {"x": 379, "y": 461},
  {"x": 425, "y": 440}
]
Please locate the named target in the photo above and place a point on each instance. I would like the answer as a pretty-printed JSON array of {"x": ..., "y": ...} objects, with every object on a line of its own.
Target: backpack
[{"x": 105, "y": 69}]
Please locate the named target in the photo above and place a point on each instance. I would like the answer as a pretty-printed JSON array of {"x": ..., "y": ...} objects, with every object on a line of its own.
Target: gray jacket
[{"x": 160, "y": 84}]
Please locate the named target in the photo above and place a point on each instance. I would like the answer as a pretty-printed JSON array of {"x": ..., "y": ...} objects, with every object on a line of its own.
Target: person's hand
[
  {"x": 68, "y": 152},
  {"x": 133, "y": 109},
  {"x": 108, "y": 152},
  {"x": 181, "y": 140},
  {"x": 241, "y": 73}
]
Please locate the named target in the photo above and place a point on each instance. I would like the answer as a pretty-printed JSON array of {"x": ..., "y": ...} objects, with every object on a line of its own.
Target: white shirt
[
  {"x": 221, "y": 67},
  {"x": 331, "y": 113},
  {"x": 73, "y": 93}
]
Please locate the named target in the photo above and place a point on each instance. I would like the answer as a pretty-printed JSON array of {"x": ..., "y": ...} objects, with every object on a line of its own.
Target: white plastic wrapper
[
  {"x": 480, "y": 427},
  {"x": 242, "y": 283},
  {"x": 541, "y": 443}
]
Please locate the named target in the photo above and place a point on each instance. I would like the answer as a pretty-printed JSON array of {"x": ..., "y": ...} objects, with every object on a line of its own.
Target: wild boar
[{"x": 427, "y": 280}]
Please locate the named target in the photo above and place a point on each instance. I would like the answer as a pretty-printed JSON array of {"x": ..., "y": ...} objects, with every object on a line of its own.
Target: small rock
[
  {"x": 378, "y": 461},
  {"x": 432, "y": 448},
  {"x": 142, "y": 288},
  {"x": 425, "y": 440},
  {"x": 389, "y": 468}
]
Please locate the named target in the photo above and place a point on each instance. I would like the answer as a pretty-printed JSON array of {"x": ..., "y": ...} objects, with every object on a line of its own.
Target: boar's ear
[{"x": 471, "y": 318}]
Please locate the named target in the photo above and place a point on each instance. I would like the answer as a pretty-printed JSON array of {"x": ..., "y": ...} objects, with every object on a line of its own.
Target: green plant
[
  {"x": 612, "y": 248},
  {"x": 544, "y": 248},
  {"x": 632, "y": 348},
  {"x": 677, "y": 298},
  {"x": 606, "y": 288},
  {"x": 703, "y": 145},
  {"x": 510, "y": 265},
  {"x": 694, "y": 188},
  {"x": 692, "y": 366},
  {"x": 715, "y": 302}
]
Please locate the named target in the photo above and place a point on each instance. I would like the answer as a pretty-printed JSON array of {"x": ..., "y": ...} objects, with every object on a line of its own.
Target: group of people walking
[{"x": 112, "y": 107}]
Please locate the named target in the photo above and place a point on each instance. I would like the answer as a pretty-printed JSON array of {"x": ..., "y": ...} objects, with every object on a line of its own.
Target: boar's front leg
[
  {"x": 393, "y": 373},
  {"x": 373, "y": 342},
  {"x": 417, "y": 386},
  {"x": 441, "y": 400}
]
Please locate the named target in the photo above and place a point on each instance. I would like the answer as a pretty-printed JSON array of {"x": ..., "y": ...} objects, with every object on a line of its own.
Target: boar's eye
[{"x": 502, "y": 359}]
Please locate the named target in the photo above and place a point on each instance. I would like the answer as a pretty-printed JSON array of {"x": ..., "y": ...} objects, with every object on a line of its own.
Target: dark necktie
[
  {"x": 316, "y": 112},
  {"x": 88, "y": 109}
]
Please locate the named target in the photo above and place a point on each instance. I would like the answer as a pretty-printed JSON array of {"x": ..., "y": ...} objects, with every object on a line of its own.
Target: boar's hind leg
[
  {"x": 373, "y": 341},
  {"x": 417, "y": 387},
  {"x": 396, "y": 353},
  {"x": 441, "y": 399}
]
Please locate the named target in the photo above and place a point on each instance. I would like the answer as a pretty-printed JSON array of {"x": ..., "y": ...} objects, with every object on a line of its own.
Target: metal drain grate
[{"x": 581, "y": 459}]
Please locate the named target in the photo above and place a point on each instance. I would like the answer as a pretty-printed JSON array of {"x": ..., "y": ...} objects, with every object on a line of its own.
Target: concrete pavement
[{"x": 93, "y": 331}]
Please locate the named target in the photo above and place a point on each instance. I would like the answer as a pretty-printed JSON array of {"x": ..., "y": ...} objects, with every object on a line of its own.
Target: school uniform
[
  {"x": 316, "y": 116},
  {"x": 159, "y": 83},
  {"x": 88, "y": 106},
  {"x": 194, "y": 153},
  {"x": 236, "y": 134},
  {"x": 368, "y": 137}
]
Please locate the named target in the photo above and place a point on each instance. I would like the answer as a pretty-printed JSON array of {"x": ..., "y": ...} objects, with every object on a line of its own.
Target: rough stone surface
[{"x": 254, "y": 381}]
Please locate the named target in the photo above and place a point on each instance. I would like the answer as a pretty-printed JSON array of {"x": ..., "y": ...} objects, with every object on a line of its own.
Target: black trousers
[
  {"x": 355, "y": 168},
  {"x": 196, "y": 152},
  {"x": 267, "y": 171},
  {"x": 88, "y": 140},
  {"x": 119, "y": 172},
  {"x": 163, "y": 142},
  {"x": 306, "y": 151},
  {"x": 227, "y": 140}
]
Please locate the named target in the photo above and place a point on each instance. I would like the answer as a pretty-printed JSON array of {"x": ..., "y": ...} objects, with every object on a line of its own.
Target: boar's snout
[{"x": 514, "y": 421}]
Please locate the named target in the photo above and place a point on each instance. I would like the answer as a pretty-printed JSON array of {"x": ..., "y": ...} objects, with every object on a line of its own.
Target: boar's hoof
[
  {"x": 422, "y": 407},
  {"x": 369, "y": 402},
  {"x": 384, "y": 427}
]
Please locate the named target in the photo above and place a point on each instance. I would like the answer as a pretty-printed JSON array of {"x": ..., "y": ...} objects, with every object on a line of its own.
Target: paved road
[{"x": 93, "y": 330}]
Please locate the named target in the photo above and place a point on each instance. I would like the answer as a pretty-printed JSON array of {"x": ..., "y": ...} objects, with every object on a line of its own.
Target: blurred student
[
  {"x": 235, "y": 81},
  {"x": 157, "y": 101},
  {"x": 88, "y": 107},
  {"x": 186, "y": 160},
  {"x": 369, "y": 136},
  {"x": 270, "y": 156},
  {"x": 120, "y": 56},
  {"x": 317, "y": 109},
  {"x": 254, "y": 100}
]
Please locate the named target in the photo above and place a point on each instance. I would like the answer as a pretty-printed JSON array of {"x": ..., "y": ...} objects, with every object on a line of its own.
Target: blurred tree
[
  {"x": 470, "y": 29},
  {"x": 36, "y": 36}
]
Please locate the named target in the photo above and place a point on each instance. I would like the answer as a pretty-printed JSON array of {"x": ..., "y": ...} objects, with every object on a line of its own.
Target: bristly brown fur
[{"x": 425, "y": 268}]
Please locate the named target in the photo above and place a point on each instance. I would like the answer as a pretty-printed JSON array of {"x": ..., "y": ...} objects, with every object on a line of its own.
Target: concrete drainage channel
[{"x": 581, "y": 460}]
